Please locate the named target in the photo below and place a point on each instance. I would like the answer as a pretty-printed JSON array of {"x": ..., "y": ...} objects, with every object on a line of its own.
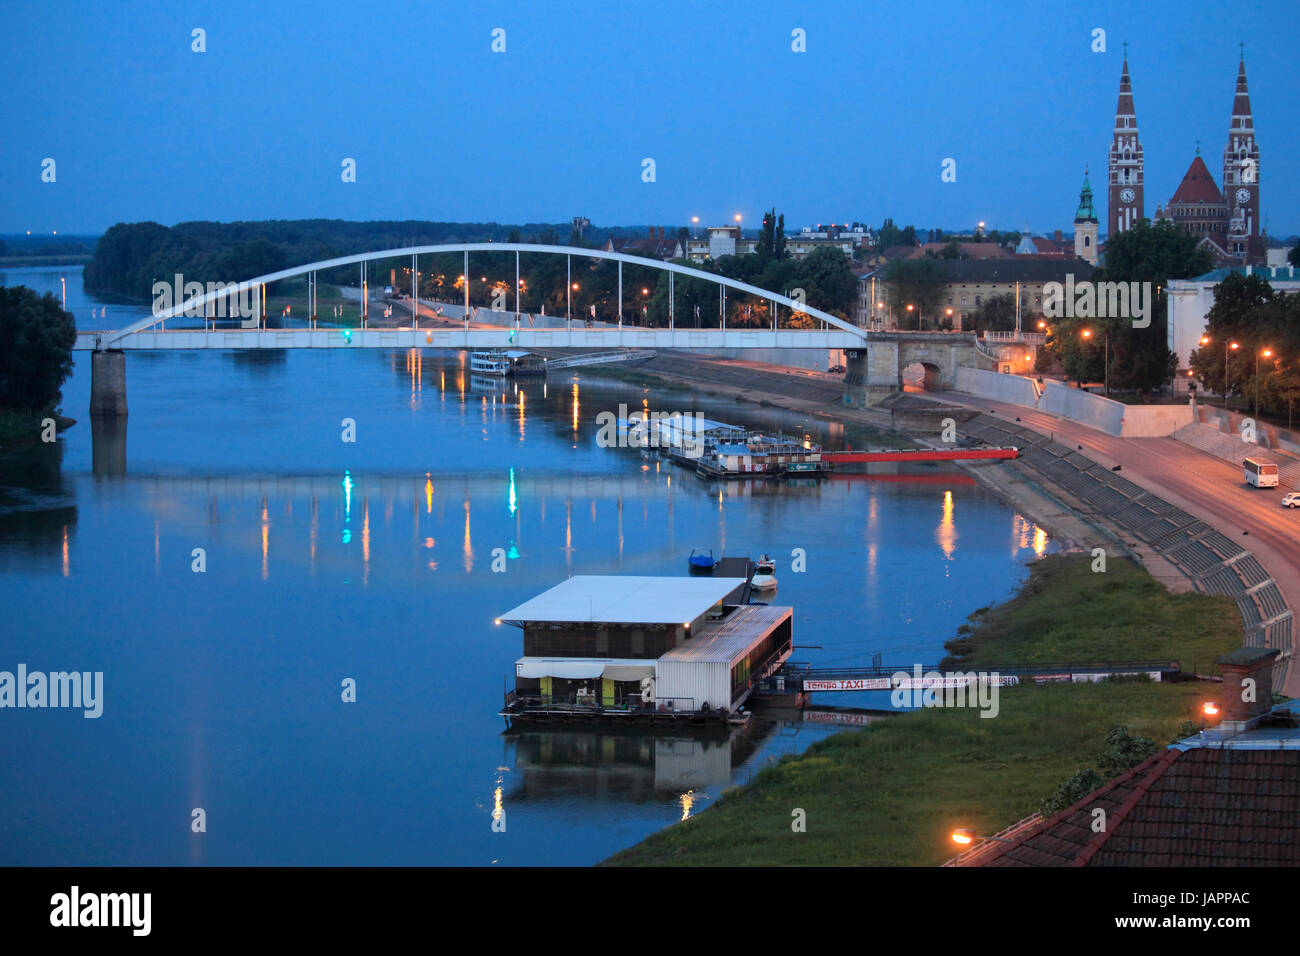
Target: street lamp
[
  {"x": 1087, "y": 334},
  {"x": 63, "y": 283},
  {"x": 950, "y": 318},
  {"x": 1268, "y": 353},
  {"x": 909, "y": 310},
  {"x": 965, "y": 836}
]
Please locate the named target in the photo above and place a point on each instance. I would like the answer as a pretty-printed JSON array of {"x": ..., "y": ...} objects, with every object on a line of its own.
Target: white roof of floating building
[{"x": 624, "y": 599}]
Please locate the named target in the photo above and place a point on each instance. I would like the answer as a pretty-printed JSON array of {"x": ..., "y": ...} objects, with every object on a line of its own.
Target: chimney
[
  {"x": 1058, "y": 235},
  {"x": 1247, "y": 686}
]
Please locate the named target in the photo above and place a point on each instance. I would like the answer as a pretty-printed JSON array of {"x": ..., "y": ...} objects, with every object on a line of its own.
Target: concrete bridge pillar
[
  {"x": 108, "y": 446},
  {"x": 108, "y": 384},
  {"x": 871, "y": 374}
]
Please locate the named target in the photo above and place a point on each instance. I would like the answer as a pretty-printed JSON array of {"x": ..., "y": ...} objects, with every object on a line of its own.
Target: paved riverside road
[{"x": 1202, "y": 485}]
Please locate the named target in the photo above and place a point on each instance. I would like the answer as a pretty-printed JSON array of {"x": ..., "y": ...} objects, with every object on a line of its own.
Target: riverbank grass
[
  {"x": 1065, "y": 611},
  {"x": 890, "y": 794}
]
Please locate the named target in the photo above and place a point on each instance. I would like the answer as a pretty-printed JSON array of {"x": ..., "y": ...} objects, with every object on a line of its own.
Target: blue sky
[{"x": 443, "y": 128}]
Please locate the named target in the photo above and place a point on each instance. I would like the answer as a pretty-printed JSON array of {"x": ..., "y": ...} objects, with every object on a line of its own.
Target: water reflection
[
  {"x": 38, "y": 509},
  {"x": 108, "y": 447},
  {"x": 631, "y": 765}
]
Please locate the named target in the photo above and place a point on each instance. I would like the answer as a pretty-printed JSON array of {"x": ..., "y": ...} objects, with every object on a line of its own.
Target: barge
[{"x": 631, "y": 649}]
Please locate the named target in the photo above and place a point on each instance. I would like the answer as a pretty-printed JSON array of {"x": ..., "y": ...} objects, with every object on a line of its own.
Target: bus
[{"x": 1261, "y": 474}]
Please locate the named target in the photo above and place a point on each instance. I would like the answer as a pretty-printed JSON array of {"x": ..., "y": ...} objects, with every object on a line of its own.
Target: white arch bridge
[
  {"x": 569, "y": 331},
  {"x": 874, "y": 359}
]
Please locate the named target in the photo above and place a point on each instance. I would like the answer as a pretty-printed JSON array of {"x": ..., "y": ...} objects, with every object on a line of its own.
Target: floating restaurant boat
[
  {"x": 502, "y": 362},
  {"x": 701, "y": 561},
  {"x": 763, "y": 456},
  {"x": 619, "y": 648}
]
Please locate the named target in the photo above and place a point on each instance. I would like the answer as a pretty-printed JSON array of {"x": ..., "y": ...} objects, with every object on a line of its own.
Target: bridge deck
[{"x": 577, "y": 337}]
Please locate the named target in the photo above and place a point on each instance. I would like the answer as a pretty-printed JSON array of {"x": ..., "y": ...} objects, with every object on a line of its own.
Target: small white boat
[
  {"x": 766, "y": 564},
  {"x": 764, "y": 582}
]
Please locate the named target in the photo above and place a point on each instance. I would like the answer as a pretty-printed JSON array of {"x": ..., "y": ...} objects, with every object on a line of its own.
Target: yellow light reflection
[
  {"x": 65, "y": 550},
  {"x": 947, "y": 531},
  {"x": 575, "y": 406},
  {"x": 521, "y": 416},
  {"x": 428, "y": 494},
  {"x": 365, "y": 541},
  {"x": 315, "y": 529},
  {"x": 1040, "y": 541},
  {"x": 468, "y": 547},
  {"x": 687, "y": 801},
  {"x": 266, "y": 539}
]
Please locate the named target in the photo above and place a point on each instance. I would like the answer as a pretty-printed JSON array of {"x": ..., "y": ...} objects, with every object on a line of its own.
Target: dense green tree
[
  {"x": 1234, "y": 317},
  {"x": 916, "y": 282},
  {"x": 36, "y": 339},
  {"x": 997, "y": 313},
  {"x": 1082, "y": 783},
  {"x": 1140, "y": 357}
]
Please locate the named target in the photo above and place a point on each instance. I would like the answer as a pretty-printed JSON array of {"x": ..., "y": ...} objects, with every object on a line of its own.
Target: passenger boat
[
  {"x": 701, "y": 561},
  {"x": 489, "y": 362},
  {"x": 502, "y": 362}
]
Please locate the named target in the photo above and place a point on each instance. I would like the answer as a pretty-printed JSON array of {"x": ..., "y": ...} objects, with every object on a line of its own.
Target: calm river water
[{"x": 371, "y": 560}]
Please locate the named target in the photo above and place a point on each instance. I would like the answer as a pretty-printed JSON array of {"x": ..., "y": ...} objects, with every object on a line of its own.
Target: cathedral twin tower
[{"x": 1227, "y": 223}]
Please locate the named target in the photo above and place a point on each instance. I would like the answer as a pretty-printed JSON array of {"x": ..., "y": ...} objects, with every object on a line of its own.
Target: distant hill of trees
[{"x": 131, "y": 256}]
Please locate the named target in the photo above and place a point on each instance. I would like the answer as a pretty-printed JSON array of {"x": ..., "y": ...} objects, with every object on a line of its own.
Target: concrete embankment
[{"x": 1057, "y": 398}]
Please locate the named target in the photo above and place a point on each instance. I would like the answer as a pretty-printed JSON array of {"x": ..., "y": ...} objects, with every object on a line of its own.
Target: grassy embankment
[
  {"x": 889, "y": 795},
  {"x": 293, "y": 293}
]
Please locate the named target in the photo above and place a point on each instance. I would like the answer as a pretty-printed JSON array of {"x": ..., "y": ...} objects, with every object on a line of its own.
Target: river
[{"x": 326, "y": 560}]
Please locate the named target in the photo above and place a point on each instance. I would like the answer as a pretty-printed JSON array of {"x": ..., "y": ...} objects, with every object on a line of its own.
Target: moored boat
[{"x": 701, "y": 561}]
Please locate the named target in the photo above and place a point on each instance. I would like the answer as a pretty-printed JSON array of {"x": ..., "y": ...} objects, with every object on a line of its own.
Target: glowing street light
[
  {"x": 1087, "y": 334},
  {"x": 1268, "y": 353}
]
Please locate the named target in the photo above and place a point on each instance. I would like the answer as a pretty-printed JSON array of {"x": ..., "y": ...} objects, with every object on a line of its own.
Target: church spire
[
  {"x": 1241, "y": 174},
  {"x": 1125, "y": 168},
  {"x": 1241, "y": 116},
  {"x": 1086, "y": 211}
]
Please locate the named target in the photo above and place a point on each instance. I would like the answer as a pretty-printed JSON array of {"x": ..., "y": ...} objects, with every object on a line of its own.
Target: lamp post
[
  {"x": 965, "y": 836},
  {"x": 1268, "y": 353},
  {"x": 1228, "y": 349},
  {"x": 909, "y": 311},
  {"x": 1087, "y": 334}
]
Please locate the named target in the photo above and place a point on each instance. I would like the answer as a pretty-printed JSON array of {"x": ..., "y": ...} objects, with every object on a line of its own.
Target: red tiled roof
[
  {"x": 1197, "y": 186},
  {"x": 1198, "y": 807}
]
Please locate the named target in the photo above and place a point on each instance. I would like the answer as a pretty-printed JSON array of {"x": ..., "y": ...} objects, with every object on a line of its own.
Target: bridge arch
[{"x": 109, "y": 338}]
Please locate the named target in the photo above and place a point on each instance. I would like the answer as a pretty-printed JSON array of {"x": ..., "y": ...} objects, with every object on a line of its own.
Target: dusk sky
[{"x": 442, "y": 128}]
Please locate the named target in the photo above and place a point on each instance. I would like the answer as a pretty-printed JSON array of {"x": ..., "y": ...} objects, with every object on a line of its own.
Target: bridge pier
[
  {"x": 108, "y": 384},
  {"x": 108, "y": 447},
  {"x": 871, "y": 374}
]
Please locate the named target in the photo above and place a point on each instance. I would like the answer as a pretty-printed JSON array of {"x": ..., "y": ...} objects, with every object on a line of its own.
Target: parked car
[{"x": 1292, "y": 500}]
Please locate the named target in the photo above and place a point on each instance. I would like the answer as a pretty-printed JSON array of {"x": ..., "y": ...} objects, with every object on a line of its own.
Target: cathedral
[{"x": 1226, "y": 222}]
